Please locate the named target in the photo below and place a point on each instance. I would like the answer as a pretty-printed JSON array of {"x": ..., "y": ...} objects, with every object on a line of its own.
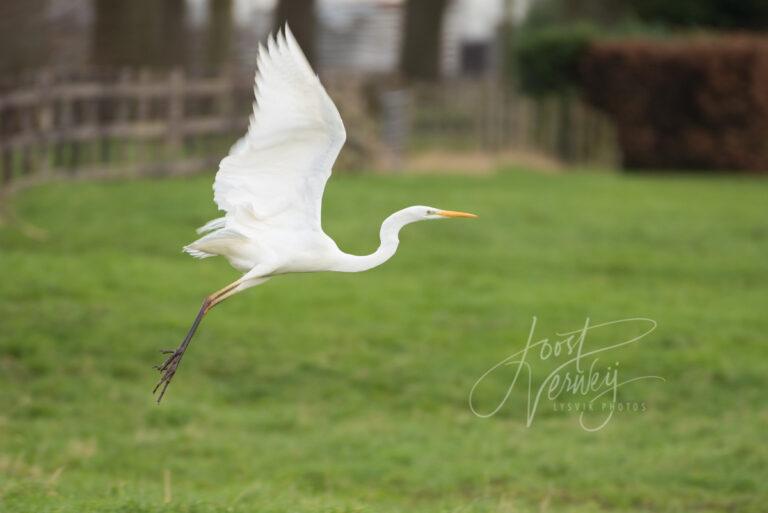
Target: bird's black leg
[{"x": 171, "y": 364}]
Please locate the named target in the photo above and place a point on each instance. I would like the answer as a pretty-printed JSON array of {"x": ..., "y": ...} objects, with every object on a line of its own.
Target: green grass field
[{"x": 331, "y": 392}]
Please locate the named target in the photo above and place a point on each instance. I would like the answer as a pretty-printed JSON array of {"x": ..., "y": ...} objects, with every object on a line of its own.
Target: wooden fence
[
  {"x": 143, "y": 123},
  {"x": 129, "y": 124},
  {"x": 491, "y": 116}
]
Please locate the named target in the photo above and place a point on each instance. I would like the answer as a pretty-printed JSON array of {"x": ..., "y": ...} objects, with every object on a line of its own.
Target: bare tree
[
  {"x": 23, "y": 35},
  {"x": 220, "y": 30},
  {"x": 300, "y": 15},
  {"x": 139, "y": 33},
  {"x": 420, "y": 51}
]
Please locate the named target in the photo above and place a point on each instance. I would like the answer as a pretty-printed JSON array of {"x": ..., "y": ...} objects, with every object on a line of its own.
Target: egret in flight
[{"x": 270, "y": 187}]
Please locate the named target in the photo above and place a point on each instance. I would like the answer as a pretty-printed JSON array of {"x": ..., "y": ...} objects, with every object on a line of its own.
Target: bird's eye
[{"x": 430, "y": 212}]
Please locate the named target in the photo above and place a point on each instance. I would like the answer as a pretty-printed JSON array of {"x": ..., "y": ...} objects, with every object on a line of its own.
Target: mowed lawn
[{"x": 341, "y": 393}]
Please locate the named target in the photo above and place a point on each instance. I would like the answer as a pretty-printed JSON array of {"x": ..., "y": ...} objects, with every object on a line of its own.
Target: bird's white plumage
[
  {"x": 271, "y": 188},
  {"x": 271, "y": 183},
  {"x": 273, "y": 178},
  {"x": 278, "y": 171}
]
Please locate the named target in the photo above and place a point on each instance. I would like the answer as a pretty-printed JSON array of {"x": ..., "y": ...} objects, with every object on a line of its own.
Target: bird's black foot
[{"x": 167, "y": 370}]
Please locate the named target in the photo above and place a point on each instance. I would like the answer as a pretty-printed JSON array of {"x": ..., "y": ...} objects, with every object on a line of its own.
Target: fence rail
[
  {"x": 139, "y": 123},
  {"x": 136, "y": 123},
  {"x": 491, "y": 116}
]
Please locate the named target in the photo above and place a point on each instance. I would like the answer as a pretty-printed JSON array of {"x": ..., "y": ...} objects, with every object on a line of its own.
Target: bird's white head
[
  {"x": 392, "y": 225},
  {"x": 422, "y": 213}
]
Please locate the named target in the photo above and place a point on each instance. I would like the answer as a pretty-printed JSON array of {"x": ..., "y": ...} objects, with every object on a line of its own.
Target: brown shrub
[{"x": 684, "y": 104}]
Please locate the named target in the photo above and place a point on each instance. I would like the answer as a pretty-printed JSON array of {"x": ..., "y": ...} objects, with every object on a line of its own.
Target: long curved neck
[{"x": 389, "y": 241}]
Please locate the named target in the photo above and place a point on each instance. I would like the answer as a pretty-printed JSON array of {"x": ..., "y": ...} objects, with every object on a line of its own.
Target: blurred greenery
[
  {"x": 544, "y": 52},
  {"x": 721, "y": 14},
  {"x": 544, "y": 57},
  {"x": 335, "y": 392},
  {"x": 546, "y": 60},
  {"x": 680, "y": 14}
]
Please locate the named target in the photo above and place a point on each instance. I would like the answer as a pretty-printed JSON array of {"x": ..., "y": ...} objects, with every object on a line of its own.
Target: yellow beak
[{"x": 453, "y": 213}]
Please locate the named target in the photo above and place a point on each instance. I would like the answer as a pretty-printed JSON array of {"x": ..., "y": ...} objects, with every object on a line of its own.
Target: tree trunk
[
  {"x": 300, "y": 15},
  {"x": 139, "y": 33},
  {"x": 24, "y": 40},
  {"x": 220, "y": 30},
  {"x": 420, "y": 54},
  {"x": 173, "y": 38}
]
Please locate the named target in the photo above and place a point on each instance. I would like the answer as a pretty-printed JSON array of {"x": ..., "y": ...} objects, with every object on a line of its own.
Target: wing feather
[{"x": 277, "y": 172}]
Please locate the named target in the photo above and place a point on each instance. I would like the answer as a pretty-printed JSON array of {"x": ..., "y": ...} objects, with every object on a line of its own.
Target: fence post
[
  {"x": 122, "y": 106},
  {"x": 64, "y": 146},
  {"x": 227, "y": 98},
  {"x": 90, "y": 121},
  {"x": 45, "y": 116},
  {"x": 175, "y": 137},
  {"x": 395, "y": 124},
  {"x": 142, "y": 96},
  {"x": 7, "y": 161},
  {"x": 27, "y": 131},
  {"x": 139, "y": 146}
]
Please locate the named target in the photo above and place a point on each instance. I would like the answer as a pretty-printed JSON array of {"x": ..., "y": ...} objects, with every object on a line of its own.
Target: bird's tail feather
[
  {"x": 215, "y": 224},
  {"x": 196, "y": 252},
  {"x": 218, "y": 242}
]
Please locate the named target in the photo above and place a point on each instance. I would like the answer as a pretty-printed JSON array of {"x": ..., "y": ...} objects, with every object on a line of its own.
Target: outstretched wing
[{"x": 277, "y": 172}]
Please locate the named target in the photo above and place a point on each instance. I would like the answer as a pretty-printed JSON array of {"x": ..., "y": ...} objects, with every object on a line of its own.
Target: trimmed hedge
[
  {"x": 726, "y": 14},
  {"x": 684, "y": 104},
  {"x": 546, "y": 61}
]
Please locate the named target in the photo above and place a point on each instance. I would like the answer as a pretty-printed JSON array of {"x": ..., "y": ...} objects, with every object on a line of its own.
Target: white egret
[{"x": 270, "y": 187}]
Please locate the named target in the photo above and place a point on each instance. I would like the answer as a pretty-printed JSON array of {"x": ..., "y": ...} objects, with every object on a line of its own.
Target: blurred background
[
  {"x": 434, "y": 84},
  {"x": 615, "y": 150}
]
